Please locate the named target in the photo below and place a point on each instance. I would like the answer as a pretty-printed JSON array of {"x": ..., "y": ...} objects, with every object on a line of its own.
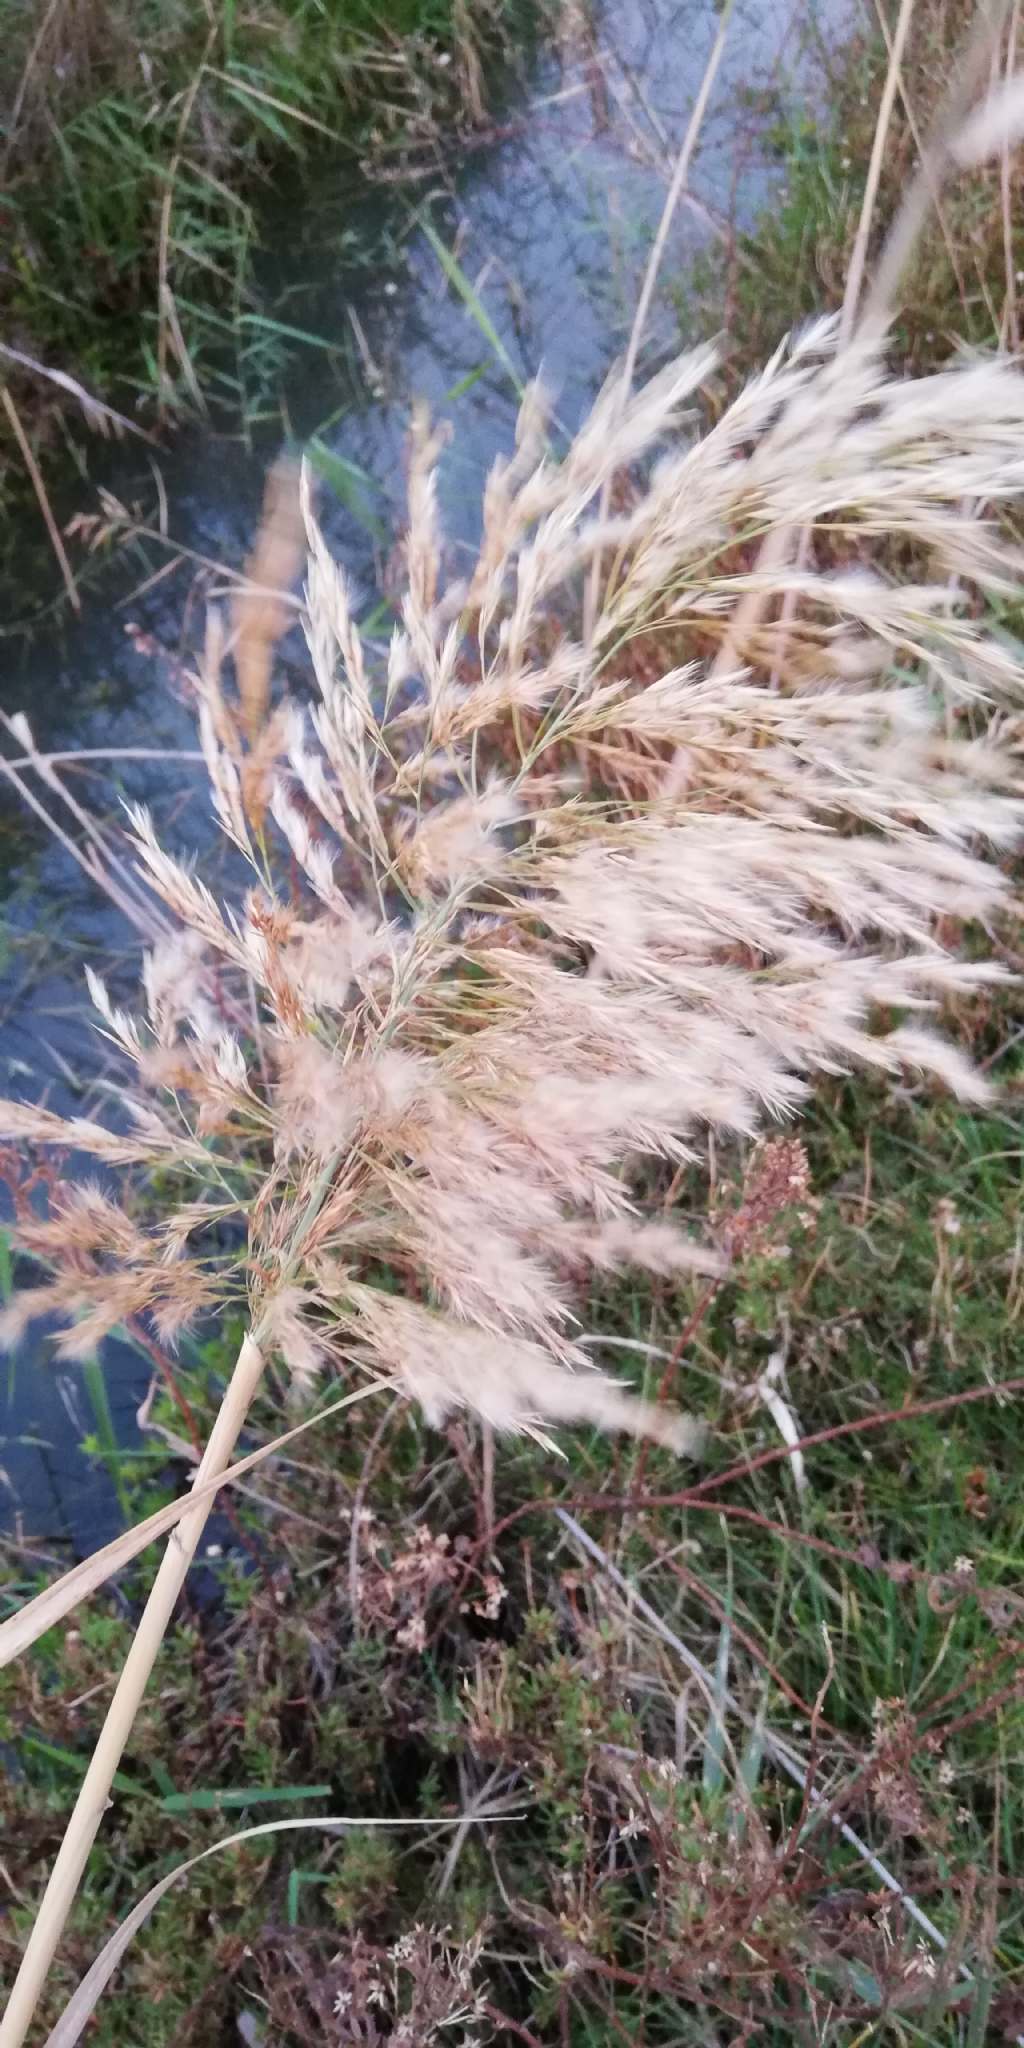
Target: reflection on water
[{"x": 550, "y": 226}]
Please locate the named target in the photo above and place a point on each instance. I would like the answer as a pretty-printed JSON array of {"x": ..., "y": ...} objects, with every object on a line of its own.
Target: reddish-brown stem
[
  {"x": 984, "y": 1670},
  {"x": 686, "y": 1336},
  {"x": 164, "y": 1367},
  {"x": 910, "y": 1412},
  {"x": 697, "y": 1496},
  {"x": 692, "y": 1496},
  {"x": 511, "y": 2026}
]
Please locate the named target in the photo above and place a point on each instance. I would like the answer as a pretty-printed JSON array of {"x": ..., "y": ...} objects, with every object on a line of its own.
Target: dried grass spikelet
[
  {"x": 242, "y": 739},
  {"x": 457, "y": 841},
  {"x": 514, "y": 1385},
  {"x": 259, "y": 614},
  {"x": 613, "y": 899}
]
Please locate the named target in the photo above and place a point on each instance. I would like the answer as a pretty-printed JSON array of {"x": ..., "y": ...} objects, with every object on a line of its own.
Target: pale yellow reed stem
[
  {"x": 91, "y": 1803},
  {"x": 677, "y": 187},
  {"x": 937, "y": 158}
]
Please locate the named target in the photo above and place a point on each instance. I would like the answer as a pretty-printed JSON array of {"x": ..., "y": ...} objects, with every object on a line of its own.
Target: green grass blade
[
  {"x": 210, "y": 1800},
  {"x": 467, "y": 382},
  {"x": 106, "y": 1435},
  {"x": 714, "y": 1744},
  {"x": 263, "y": 323},
  {"x": 296, "y": 1880},
  {"x": 470, "y": 297},
  {"x": 349, "y": 484},
  {"x": 977, "y": 2030},
  {"x": 77, "y": 1765}
]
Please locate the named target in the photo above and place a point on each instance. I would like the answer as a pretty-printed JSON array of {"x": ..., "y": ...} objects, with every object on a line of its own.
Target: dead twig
[{"x": 35, "y": 476}]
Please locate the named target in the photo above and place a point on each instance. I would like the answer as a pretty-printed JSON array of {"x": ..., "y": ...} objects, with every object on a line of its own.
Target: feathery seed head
[{"x": 552, "y": 904}]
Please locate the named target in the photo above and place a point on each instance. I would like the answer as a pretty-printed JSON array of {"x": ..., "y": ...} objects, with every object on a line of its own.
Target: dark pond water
[{"x": 551, "y": 221}]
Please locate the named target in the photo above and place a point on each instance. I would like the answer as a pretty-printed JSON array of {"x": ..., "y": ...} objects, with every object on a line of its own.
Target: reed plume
[
  {"x": 554, "y": 904},
  {"x": 601, "y": 911}
]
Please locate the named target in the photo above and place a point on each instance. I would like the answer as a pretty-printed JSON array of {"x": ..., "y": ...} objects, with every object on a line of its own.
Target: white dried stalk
[{"x": 91, "y": 1803}]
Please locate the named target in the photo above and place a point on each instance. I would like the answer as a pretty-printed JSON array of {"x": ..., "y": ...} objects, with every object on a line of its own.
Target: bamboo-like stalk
[
  {"x": 91, "y": 1803},
  {"x": 854, "y": 279},
  {"x": 677, "y": 186},
  {"x": 937, "y": 159},
  {"x": 25, "y": 1626},
  {"x": 859, "y": 256}
]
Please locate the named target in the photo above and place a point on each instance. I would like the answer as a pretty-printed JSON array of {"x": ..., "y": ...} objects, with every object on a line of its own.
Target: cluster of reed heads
[
  {"x": 516, "y": 921},
  {"x": 525, "y": 904}
]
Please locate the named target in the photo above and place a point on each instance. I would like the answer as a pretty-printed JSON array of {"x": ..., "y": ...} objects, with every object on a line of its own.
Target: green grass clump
[
  {"x": 143, "y": 143},
  {"x": 962, "y": 285}
]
